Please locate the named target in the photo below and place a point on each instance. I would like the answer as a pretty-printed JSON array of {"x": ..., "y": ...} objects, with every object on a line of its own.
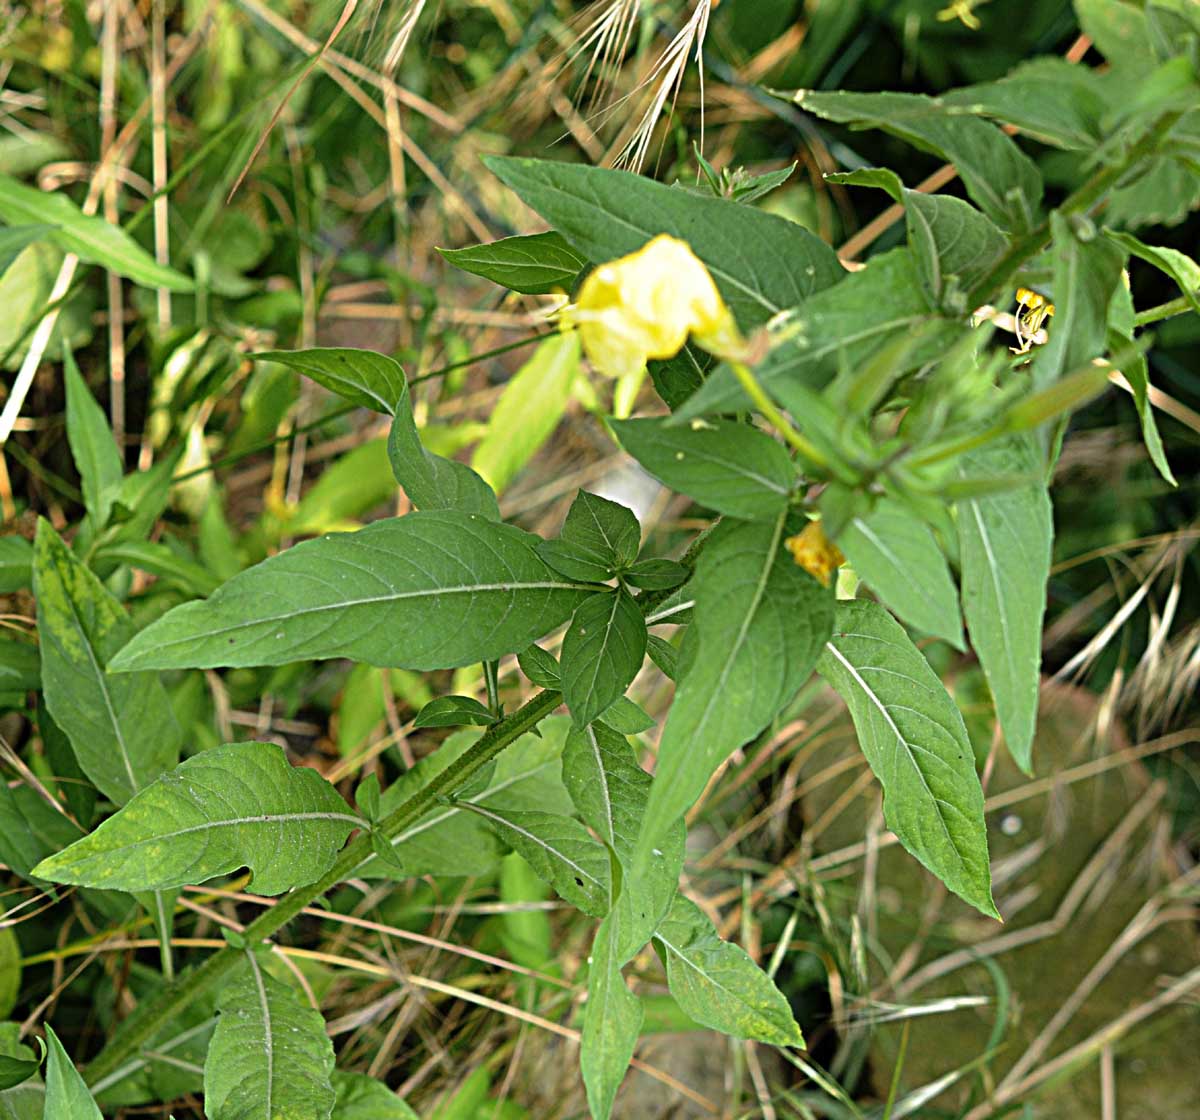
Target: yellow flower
[
  {"x": 646, "y": 304},
  {"x": 815, "y": 552}
]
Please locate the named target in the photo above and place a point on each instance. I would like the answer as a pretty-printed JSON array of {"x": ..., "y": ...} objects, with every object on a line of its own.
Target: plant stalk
[{"x": 167, "y": 1004}]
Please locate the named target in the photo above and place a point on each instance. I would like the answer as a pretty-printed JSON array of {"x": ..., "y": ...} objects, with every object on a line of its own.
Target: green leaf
[
  {"x": 540, "y": 667},
  {"x": 1118, "y": 31},
  {"x": 1003, "y": 181},
  {"x": 16, "y": 564},
  {"x": 656, "y": 574},
  {"x": 1086, "y": 272},
  {"x": 360, "y": 1097},
  {"x": 1053, "y": 100},
  {"x": 528, "y": 410},
  {"x": 1178, "y": 266},
  {"x": 760, "y": 623},
  {"x": 599, "y": 538},
  {"x": 718, "y": 985},
  {"x": 92, "y": 445},
  {"x": 453, "y": 711},
  {"x": 761, "y": 263},
  {"x": 91, "y": 239},
  {"x": 122, "y": 728},
  {"x": 612, "y": 1021},
  {"x": 664, "y": 655},
  {"x": 1163, "y": 195},
  {"x": 915, "y": 741},
  {"x": 606, "y": 529},
  {"x": 450, "y": 841},
  {"x": 626, "y": 717},
  {"x": 237, "y": 805},
  {"x": 601, "y": 653},
  {"x": 954, "y": 243},
  {"x": 163, "y": 561},
  {"x": 841, "y": 327},
  {"x": 534, "y": 265},
  {"x": 10, "y": 984},
  {"x": 675, "y": 379},
  {"x": 30, "y": 829},
  {"x": 611, "y": 791},
  {"x": 376, "y": 381},
  {"x": 16, "y": 239},
  {"x": 437, "y": 589},
  {"x": 270, "y": 1056},
  {"x": 362, "y": 377},
  {"x": 1004, "y": 544},
  {"x": 1137, "y": 372},
  {"x": 67, "y": 1097},
  {"x": 14, "y": 1070},
  {"x": 729, "y": 467},
  {"x": 898, "y": 557},
  {"x": 560, "y": 851},
  {"x": 431, "y": 481},
  {"x": 20, "y": 666}
]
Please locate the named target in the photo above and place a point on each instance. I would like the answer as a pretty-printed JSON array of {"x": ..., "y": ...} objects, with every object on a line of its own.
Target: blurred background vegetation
[{"x": 152, "y": 112}]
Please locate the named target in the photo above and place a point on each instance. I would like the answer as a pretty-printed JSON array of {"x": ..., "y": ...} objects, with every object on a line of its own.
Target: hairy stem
[{"x": 155, "y": 1015}]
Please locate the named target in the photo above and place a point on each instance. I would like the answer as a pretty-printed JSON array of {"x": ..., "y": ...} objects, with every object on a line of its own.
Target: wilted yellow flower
[
  {"x": 815, "y": 552},
  {"x": 646, "y": 304}
]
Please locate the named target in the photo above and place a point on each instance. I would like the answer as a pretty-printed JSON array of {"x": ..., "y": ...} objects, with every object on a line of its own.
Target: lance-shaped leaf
[
  {"x": 612, "y": 1020},
  {"x": 91, "y": 239},
  {"x": 1001, "y": 179},
  {"x": 1178, "y": 266},
  {"x": 270, "y": 1056},
  {"x": 760, "y": 624},
  {"x": 1004, "y": 540},
  {"x": 362, "y": 377},
  {"x": 30, "y": 829},
  {"x": 717, "y": 984},
  {"x": 432, "y": 590},
  {"x": 18, "y": 1066},
  {"x": 953, "y": 242},
  {"x": 376, "y": 381},
  {"x": 601, "y": 653},
  {"x": 610, "y": 790},
  {"x": 122, "y": 728},
  {"x": 1086, "y": 272},
  {"x": 1050, "y": 99},
  {"x": 915, "y": 742},
  {"x": 560, "y": 851},
  {"x": 535, "y": 265},
  {"x": 899, "y": 559},
  {"x": 92, "y": 445},
  {"x": 729, "y": 467},
  {"x": 67, "y": 1097},
  {"x": 761, "y": 263},
  {"x": 238, "y": 805}
]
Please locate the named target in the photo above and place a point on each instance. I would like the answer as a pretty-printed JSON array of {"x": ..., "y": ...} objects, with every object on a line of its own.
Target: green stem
[
  {"x": 1165, "y": 310},
  {"x": 152, "y": 1017},
  {"x": 491, "y": 678},
  {"x": 762, "y": 401}
]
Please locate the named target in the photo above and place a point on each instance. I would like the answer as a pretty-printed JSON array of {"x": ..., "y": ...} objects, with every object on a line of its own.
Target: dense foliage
[{"x": 866, "y": 452}]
